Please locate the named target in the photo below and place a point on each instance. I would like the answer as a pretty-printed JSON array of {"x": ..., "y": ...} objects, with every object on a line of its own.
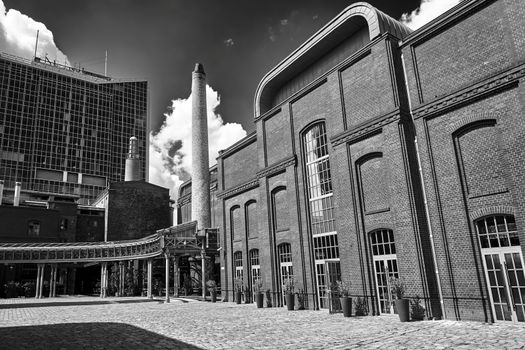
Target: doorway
[{"x": 503, "y": 265}]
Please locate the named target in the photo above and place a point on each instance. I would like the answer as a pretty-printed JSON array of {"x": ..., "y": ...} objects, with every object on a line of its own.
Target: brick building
[{"x": 381, "y": 152}]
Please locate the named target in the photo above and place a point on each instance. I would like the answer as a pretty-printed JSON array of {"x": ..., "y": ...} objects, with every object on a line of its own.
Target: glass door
[
  {"x": 503, "y": 264},
  {"x": 504, "y": 272},
  {"x": 333, "y": 274},
  {"x": 385, "y": 267}
]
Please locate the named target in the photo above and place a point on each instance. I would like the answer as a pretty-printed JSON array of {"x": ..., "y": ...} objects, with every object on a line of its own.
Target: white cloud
[
  {"x": 229, "y": 42},
  {"x": 427, "y": 11},
  {"x": 18, "y": 36},
  {"x": 170, "y": 147}
]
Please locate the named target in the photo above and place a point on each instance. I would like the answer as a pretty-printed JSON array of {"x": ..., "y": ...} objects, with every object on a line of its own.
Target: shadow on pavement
[
  {"x": 76, "y": 303},
  {"x": 86, "y": 336}
]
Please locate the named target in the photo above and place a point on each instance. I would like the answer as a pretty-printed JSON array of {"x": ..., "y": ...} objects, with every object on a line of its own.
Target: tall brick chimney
[
  {"x": 200, "y": 175},
  {"x": 132, "y": 171}
]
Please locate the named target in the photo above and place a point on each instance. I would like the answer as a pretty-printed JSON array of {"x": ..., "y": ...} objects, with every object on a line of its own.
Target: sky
[{"x": 160, "y": 41}]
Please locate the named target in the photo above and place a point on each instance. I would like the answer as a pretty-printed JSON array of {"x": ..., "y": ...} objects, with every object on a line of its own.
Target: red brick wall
[
  {"x": 136, "y": 210},
  {"x": 278, "y": 137},
  {"x": 482, "y": 44},
  {"x": 240, "y": 166},
  {"x": 367, "y": 87}
]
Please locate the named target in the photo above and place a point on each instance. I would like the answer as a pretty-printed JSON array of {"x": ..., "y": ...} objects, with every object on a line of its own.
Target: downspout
[{"x": 424, "y": 193}]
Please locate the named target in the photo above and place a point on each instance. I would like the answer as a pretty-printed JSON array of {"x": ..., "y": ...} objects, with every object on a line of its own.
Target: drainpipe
[
  {"x": 1, "y": 191},
  {"x": 424, "y": 193},
  {"x": 16, "y": 200}
]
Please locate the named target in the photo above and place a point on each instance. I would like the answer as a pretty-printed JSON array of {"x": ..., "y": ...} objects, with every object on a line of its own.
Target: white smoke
[
  {"x": 18, "y": 37},
  {"x": 427, "y": 11},
  {"x": 170, "y": 148}
]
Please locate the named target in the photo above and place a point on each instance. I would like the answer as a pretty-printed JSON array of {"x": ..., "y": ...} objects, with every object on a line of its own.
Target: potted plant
[
  {"x": 268, "y": 298},
  {"x": 288, "y": 290},
  {"x": 343, "y": 289},
  {"x": 301, "y": 299},
  {"x": 212, "y": 287},
  {"x": 247, "y": 295},
  {"x": 259, "y": 296},
  {"x": 397, "y": 287},
  {"x": 237, "y": 287},
  {"x": 360, "y": 306},
  {"x": 417, "y": 311}
]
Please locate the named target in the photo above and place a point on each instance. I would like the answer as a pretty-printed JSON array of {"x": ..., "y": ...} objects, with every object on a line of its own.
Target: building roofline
[
  {"x": 378, "y": 23},
  {"x": 77, "y": 73},
  {"x": 446, "y": 18},
  {"x": 248, "y": 139}
]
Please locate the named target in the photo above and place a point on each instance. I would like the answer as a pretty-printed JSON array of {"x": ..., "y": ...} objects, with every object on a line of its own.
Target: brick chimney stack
[{"x": 200, "y": 175}]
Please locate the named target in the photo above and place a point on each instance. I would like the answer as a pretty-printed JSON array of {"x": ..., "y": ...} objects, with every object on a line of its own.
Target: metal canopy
[{"x": 175, "y": 240}]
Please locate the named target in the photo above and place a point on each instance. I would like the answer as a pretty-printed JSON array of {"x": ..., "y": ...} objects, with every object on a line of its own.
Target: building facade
[
  {"x": 65, "y": 130},
  {"x": 383, "y": 152}
]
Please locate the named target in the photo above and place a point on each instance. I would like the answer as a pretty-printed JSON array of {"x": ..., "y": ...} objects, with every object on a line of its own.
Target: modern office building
[
  {"x": 65, "y": 130},
  {"x": 385, "y": 152}
]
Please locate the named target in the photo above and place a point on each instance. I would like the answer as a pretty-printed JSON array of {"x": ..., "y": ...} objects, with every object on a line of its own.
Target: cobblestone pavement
[{"x": 136, "y": 323}]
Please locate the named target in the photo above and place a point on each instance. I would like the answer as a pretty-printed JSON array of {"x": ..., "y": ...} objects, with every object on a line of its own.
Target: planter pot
[
  {"x": 259, "y": 299},
  {"x": 290, "y": 301},
  {"x": 346, "y": 306},
  {"x": 238, "y": 297},
  {"x": 403, "y": 309},
  {"x": 213, "y": 297}
]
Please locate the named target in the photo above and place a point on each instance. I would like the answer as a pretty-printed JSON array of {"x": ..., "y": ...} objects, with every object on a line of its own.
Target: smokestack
[
  {"x": 132, "y": 172},
  {"x": 1, "y": 191},
  {"x": 200, "y": 174},
  {"x": 16, "y": 200}
]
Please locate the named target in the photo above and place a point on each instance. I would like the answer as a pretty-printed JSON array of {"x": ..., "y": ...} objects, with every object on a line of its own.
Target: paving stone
[{"x": 138, "y": 323}]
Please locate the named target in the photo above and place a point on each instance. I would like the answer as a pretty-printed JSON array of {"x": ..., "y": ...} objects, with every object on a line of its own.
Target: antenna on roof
[
  {"x": 106, "y": 64},
  {"x": 36, "y": 43}
]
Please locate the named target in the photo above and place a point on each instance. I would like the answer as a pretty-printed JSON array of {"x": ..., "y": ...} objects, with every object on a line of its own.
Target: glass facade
[
  {"x": 321, "y": 209},
  {"x": 65, "y": 131}
]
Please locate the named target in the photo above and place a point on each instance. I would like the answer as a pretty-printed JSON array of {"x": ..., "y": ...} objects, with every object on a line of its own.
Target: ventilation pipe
[
  {"x": 132, "y": 172},
  {"x": 16, "y": 200}
]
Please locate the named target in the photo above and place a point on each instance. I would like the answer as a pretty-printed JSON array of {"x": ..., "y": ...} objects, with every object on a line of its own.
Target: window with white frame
[
  {"x": 255, "y": 266},
  {"x": 237, "y": 263}
]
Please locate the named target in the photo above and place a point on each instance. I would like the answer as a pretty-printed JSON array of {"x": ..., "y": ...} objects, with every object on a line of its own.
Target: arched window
[
  {"x": 503, "y": 264},
  {"x": 385, "y": 266},
  {"x": 235, "y": 222},
  {"x": 319, "y": 179},
  {"x": 497, "y": 231}
]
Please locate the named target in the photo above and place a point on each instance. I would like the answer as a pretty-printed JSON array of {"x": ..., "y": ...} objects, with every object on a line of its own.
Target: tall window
[
  {"x": 319, "y": 180},
  {"x": 321, "y": 209},
  {"x": 237, "y": 263},
  {"x": 255, "y": 266},
  {"x": 285, "y": 261}
]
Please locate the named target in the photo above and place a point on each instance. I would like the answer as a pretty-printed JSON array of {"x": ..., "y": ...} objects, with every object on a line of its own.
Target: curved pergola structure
[
  {"x": 169, "y": 242},
  {"x": 344, "y": 24}
]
